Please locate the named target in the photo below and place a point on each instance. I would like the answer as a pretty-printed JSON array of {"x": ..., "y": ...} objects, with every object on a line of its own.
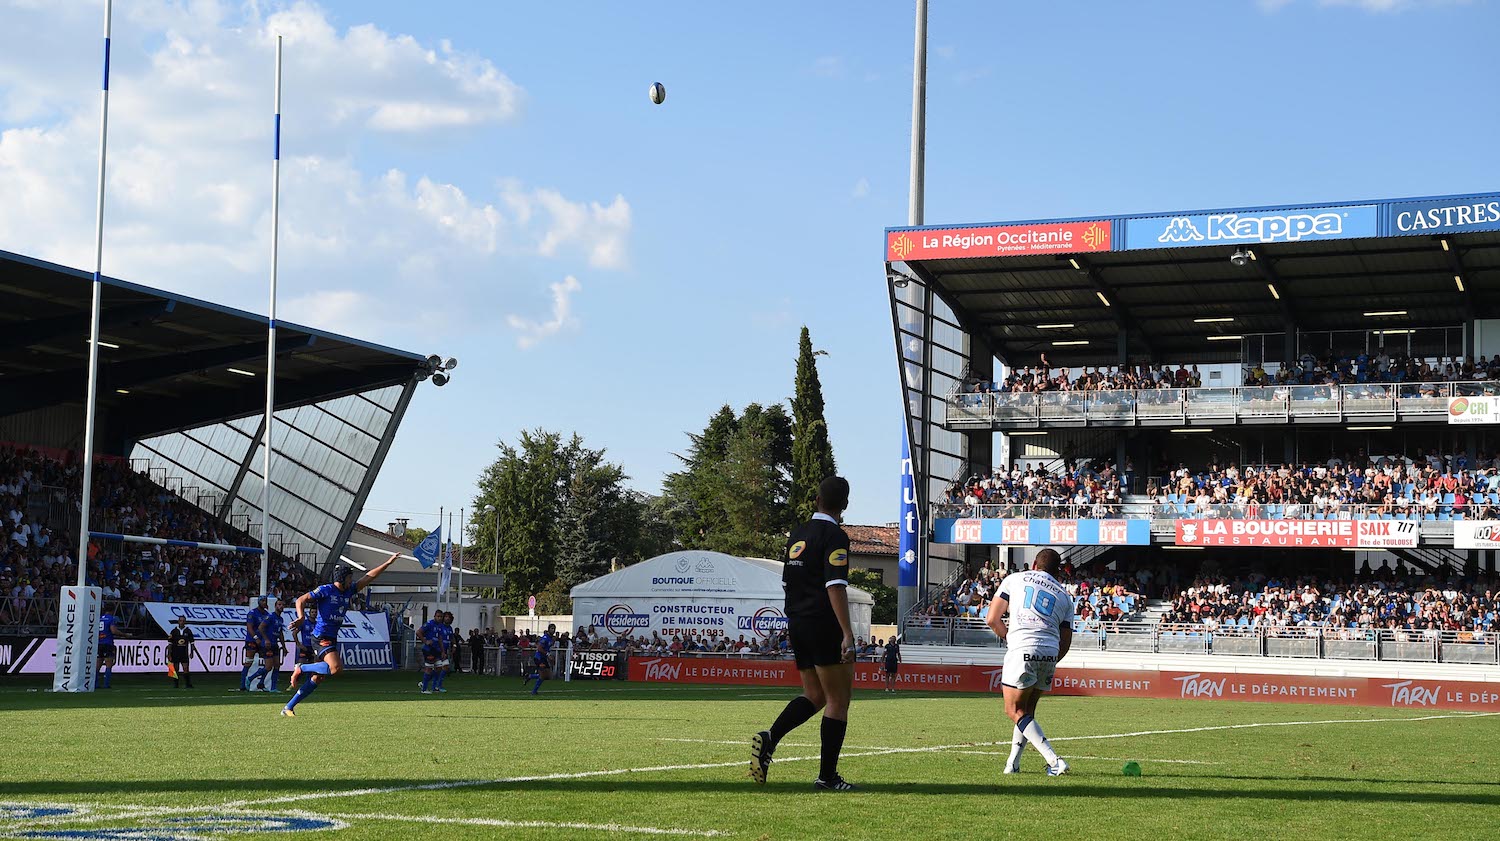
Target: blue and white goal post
[{"x": 76, "y": 667}]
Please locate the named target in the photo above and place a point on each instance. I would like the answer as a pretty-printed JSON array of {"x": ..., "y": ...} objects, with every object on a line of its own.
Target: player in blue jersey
[
  {"x": 430, "y": 636},
  {"x": 255, "y": 622},
  {"x": 307, "y": 644},
  {"x": 331, "y": 601},
  {"x": 446, "y": 665},
  {"x": 107, "y": 650},
  {"x": 273, "y": 650},
  {"x": 541, "y": 659}
]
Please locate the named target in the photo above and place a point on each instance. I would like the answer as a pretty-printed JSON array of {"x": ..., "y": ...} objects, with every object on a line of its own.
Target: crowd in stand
[
  {"x": 37, "y": 559},
  {"x": 1043, "y": 378},
  {"x": 1379, "y": 367},
  {"x": 1401, "y": 602},
  {"x": 1099, "y": 487},
  {"x": 1105, "y": 597},
  {"x": 1430, "y": 485},
  {"x": 689, "y": 644}
]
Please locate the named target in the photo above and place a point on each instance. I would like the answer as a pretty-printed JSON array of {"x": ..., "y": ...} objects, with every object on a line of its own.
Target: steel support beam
[
  {"x": 368, "y": 480},
  {"x": 239, "y": 474}
]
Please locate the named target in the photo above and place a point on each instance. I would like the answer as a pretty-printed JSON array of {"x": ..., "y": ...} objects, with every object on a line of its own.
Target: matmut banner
[
  {"x": 1305, "y": 689},
  {"x": 1293, "y": 534},
  {"x": 999, "y": 241}
]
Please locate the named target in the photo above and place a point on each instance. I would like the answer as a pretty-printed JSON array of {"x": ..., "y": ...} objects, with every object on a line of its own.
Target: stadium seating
[
  {"x": 38, "y": 555},
  {"x": 1388, "y": 601}
]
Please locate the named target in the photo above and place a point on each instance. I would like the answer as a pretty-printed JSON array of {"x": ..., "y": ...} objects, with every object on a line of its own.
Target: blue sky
[{"x": 451, "y": 165}]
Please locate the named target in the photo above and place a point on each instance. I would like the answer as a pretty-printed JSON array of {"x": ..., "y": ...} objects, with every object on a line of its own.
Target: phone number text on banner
[{"x": 1340, "y": 534}]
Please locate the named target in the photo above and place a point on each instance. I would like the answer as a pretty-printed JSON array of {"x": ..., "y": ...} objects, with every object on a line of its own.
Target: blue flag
[
  {"x": 427, "y": 551},
  {"x": 910, "y": 521}
]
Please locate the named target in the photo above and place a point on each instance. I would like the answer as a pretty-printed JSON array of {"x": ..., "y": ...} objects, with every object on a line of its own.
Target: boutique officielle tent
[{"x": 700, "y": 593}]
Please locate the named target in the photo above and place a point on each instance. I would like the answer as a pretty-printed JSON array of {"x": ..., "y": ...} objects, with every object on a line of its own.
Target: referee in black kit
[{"x": 816, "y": 580}]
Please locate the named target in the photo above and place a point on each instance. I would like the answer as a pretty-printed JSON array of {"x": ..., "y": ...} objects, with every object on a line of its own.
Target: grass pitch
[{"x": 370, "y": 756}]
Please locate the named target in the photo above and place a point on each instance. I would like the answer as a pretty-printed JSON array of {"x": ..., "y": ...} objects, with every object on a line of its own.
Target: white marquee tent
[{"x": 703, "y": 593}]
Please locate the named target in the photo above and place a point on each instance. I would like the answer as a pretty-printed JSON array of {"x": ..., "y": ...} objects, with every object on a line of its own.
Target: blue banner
[
  {"x": 909, "y": 523},
  {"x": 998, "y": 532},
  {"x": 1445, "y": 216},
  {"x": 1252, "y": 227},
  {"x": 427, "y": 551}
]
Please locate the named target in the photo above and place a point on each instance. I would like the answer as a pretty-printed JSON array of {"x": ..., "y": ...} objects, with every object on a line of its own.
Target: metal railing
[
  {"x": 1360, "y": 401},
  {"x": 1322, "y": 643},
  {"x": 1191, "y": 510}
]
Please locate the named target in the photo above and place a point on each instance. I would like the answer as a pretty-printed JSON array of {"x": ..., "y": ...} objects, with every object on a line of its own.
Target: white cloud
[
  {"x": 861, "y": 188},
  {"x": 947, "y": 52},
  {"x": 829, "y": 67},
  {"x": 533, "y": 331},
  {"x": 188, "y": 204}
]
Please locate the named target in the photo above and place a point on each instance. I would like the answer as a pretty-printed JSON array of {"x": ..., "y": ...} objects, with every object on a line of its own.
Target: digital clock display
[{"x": 598, "y": 665}]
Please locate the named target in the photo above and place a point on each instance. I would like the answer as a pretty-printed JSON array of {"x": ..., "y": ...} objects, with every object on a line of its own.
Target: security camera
[
  {"x": 1240, "y": 258},
  {"x": 439, "y": 380},
  {"x": 450, "y": 364}
]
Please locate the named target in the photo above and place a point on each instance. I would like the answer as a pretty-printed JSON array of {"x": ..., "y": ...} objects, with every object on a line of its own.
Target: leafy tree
[
  {"x": 732, "y": 493},
  {"x": 416, "y": 535},
  {"x": 553, "y": 600},
  {"x": 884, "y": 610},
  {"x": 812, "y": 453}
]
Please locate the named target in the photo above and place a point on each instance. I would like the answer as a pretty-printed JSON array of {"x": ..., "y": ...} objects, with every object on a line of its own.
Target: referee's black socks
[
  {"x": 833, "y": 744},
  {"x": 797, "y": 712}
]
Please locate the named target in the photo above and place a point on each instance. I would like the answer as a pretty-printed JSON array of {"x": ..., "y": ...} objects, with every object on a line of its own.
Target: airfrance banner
[
  {"x": 427, "y": 551},
  {"x": 908, "y": 521},
  {"x": 1452, "y": 215},
  {"x": 1001, "y": 532},
  {"x": 1252, "y": 227}
]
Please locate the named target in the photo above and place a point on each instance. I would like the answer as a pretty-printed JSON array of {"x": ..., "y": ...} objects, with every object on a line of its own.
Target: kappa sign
[{"x": 1340, "y": 534}]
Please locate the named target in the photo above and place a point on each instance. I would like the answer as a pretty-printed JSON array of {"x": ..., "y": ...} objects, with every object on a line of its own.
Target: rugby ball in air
[{"x": 658, "y": 93}]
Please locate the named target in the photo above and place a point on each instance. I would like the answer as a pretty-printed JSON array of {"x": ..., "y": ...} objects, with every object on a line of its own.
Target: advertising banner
[
  {"x": 908, "y": 522},
  {"x": 227, "y": 622},
  {"x": 1001, "y": 532},
  {"x": 37, "y": 656},
  {"x": 999, "y": 241},
  {"x": 1340, "y": 534},
  {"x": 75, "y": 660},
  {"x": 1306, "y": 689},
  {"x": 1249, "y": 228},
  {"x": 1476, "y": 534},
  {"x": 1467, "y": 410},
  {"x": 1445, "y": 216},
  {"x": 755, "y": 620}
]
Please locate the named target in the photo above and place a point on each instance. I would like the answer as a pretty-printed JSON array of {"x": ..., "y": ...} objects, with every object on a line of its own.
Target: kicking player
[
  {"x": 255, "y": 622},
  {"x": 816, "y": 579},
  {"x": 541, "y": 659},
  {"x": 107, "y": 650},
  {"x": 331, "y": 602},
  {"x": 432, "y": 652},
  {"x": 1039, "y": 635}
]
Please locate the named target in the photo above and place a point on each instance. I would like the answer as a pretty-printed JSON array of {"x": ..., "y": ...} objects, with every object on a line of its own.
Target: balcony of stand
[{"x": 1298, "y": 404}]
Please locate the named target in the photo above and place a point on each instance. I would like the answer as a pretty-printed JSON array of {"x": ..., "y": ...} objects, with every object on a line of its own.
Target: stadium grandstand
[
  {"x": 1271, "y": 419},
  {"x": 181, "y": 405}
]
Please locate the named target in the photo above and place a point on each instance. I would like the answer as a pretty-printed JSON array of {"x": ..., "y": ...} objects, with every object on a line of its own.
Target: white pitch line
[
  {"x": 615, "y": 772},
  {"x": 1104, "y": 758},
  {"x": 497, "y": 822}
]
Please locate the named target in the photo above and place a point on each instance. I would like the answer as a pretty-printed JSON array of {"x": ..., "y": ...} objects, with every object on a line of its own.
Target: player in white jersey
[{"x": 1038, "y": 636}]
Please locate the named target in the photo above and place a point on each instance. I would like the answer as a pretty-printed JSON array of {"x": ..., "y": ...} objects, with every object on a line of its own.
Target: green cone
[{"x": 1131, "y": 769}]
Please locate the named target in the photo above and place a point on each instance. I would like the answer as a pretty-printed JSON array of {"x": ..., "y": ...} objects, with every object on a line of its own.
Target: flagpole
[
  {"x": 436, "y": 593},
  {"x": 91, "y": 400},
  {"x": 265, "y": 497},
  {"x": 460, "y": 591}
]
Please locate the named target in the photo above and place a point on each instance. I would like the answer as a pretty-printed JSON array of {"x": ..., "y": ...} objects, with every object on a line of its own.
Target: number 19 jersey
[{"x": 1039, "y": 606}]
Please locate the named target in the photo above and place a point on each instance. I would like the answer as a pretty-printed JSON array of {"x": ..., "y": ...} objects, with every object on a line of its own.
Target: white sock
[
  {"x": 1017, "y": 746},
  {"x": 1038, "y": 740}
]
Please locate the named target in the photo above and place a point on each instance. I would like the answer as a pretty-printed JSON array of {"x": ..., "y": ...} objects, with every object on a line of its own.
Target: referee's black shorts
[{"x": 815, "y": 642}]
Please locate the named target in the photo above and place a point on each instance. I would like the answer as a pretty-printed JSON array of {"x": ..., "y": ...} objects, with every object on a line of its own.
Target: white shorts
[{"x": 1025, "y": 668}]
